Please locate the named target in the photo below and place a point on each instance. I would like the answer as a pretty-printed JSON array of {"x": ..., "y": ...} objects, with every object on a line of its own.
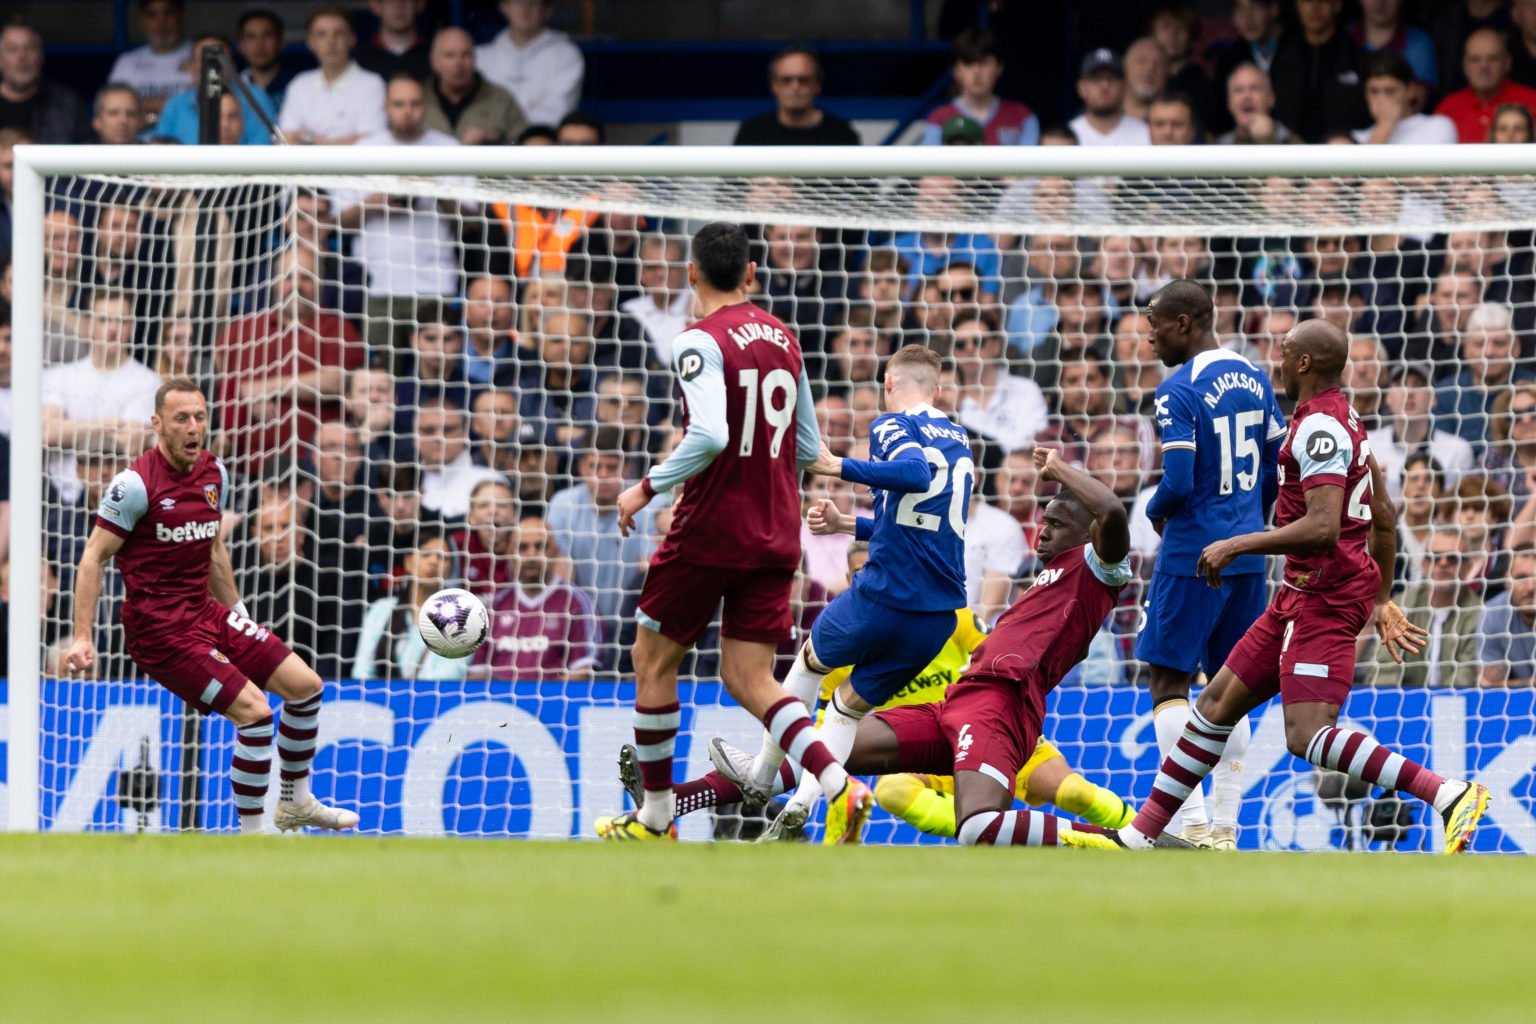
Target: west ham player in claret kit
[
  {"x": 185, "y": 624},
  {"x": 750, "y": 428},
  {"x": 1338, "y": 530}
]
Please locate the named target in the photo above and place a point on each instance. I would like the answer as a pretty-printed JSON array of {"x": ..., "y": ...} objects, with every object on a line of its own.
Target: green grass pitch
[{"x": 192, "y": 928}]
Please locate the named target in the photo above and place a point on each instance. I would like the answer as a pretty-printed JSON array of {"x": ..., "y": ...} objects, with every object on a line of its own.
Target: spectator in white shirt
[
  {"x": 538, "y": 65},
  {"x": 1389, "y": 95},
  {"x": 1104, "y": 122},
  {"x": 1010, "y": 409},
  {"x": 1410, "y": 427},
  {"x": 338, "y": 102},
  {"x": 408, "y": 245},
  {"x": 161, "y": 67},
  {"x": 660, "y": 313},
  {"x": 105, "y": 394},
  {"x": 449, "y": 471}
]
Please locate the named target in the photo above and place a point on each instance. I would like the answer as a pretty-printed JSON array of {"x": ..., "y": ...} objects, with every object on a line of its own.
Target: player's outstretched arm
[
  {"x": 1398, "y": 635},
  {"x": 99, "y": 549},
  {"x": 1110, "y": 534},
  {"x": 1318, "y": 528}
]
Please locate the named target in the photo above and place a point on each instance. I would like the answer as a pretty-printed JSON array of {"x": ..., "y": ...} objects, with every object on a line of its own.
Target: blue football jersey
[
  {"x": 917, "y": 540},
  {"x": 1221, "y": 407}
]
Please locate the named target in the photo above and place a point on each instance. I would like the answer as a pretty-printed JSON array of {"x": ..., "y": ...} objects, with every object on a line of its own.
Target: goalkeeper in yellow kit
[{"x": 927, "y": 802}]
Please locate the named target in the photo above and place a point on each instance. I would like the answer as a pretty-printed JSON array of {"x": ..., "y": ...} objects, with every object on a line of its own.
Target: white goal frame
[{"x": 21, "y": 726}]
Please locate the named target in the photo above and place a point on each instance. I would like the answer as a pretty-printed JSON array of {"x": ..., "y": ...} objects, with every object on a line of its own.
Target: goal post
[{"x": 502, "y": 756}]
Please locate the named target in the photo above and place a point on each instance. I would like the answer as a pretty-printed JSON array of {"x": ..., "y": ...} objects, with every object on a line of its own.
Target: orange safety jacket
[{"x": 542, "y": 237}]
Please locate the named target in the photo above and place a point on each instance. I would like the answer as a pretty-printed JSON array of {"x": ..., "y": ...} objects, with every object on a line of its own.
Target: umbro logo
[{"x": 167, "y": 503}]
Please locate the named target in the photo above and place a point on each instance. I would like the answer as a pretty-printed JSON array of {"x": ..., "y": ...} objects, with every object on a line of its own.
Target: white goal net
[{"x": 424, "y": 371}]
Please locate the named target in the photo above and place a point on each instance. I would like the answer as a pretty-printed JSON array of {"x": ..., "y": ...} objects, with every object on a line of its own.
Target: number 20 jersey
[
  {"x": 917, "y": 540},
  {"x": 1221, "y": 407},
  {"x": 1327, "y": 445}
]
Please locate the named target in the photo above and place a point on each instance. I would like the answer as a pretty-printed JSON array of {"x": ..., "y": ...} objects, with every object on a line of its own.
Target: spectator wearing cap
[
  {"x": 1251, "y": 104},
  {"x": 259, "y": 39},
  {"x": 1104, "y": 122},
  {"x": 1389, "y": 95},
  {"x": 538, "y": 65},
  {"x": 976, "y": 67},
  {"x": 179, "y": 119},
  {"x": 45, "y": 110},
  {"x": 162, "y": 66},
  {"x": 1316, "y": 75},
  {"x": 795, "y": 78},
  {"x": 1507, "y": 650},
  {"x": 1409, "y": 427},
  {"x": 962, "y": 131},
  {"x": 338, "y": 102},
  {"x": 1486, "y": 63},
  {"x": 1489, "y": 370},
  {"x": 461, "y": 102},
  {"x": 396, "y": 48}
]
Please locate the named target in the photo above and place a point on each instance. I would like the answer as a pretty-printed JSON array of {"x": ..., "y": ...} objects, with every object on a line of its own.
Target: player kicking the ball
[
  {"x": 899, "y": 611},
  {"x": 185, "y": 624},
  {"x": 1337, "y": 528},
  {"x": 735, "y": 536}
]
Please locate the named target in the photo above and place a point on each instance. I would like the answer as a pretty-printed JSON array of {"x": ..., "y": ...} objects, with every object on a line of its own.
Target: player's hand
[
  {"x": 1216, "y": 557},
  {"x": 824, "y": 518},
  {"x": 1398, "y": 635},
  {"x": 81, "y": 656},
  {"x": 826, "y": 464},
  {"x": 1049, "y": 464},
  {"x": 630, "y": 502}
]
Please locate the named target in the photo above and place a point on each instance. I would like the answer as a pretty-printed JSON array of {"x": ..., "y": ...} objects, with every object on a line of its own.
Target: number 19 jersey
[
  {"x": 917, "y": 540},
  {"x": 1221, "y": 407}
]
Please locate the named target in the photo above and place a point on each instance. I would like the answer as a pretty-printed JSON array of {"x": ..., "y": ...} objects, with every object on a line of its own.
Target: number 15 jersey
[{"x": 1221, "y": 407}]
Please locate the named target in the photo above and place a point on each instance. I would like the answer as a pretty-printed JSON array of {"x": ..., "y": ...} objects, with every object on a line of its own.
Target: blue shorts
[
  {"x": 886, "y": 647},
  {"x": 1192, "y": 625}
]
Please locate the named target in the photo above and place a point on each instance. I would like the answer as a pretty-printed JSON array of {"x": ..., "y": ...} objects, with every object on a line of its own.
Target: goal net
[{"x": 431, "y": 368}]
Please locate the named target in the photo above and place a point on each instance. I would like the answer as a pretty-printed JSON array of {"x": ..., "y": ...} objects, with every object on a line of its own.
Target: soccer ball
[{"x": 453, "y": 623}]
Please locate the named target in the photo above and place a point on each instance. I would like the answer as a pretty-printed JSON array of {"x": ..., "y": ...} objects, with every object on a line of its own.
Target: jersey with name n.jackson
[
  {"x": 168, "y": 521},
  {"x": 744, "y": 382},
  {"x": 1222, "y": 409},
  {"x": 1327, "y": 445}
]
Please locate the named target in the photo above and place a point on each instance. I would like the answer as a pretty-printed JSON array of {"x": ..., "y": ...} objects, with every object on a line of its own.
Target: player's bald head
[
  {"x": 1326, "y": 343},
  {"x": 1184, "y": 298}
]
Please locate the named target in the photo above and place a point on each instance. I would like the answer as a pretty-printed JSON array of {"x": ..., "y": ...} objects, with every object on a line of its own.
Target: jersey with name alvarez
[
  {"x": 1327, "y": 445},
  {"x": 168, "y": 521},
  {"x": 742, "y": 510},
  {"x": 917, "y": 540},
  {"x": 1048, "y": 630},
  {"x": 1223, "y": 408}
]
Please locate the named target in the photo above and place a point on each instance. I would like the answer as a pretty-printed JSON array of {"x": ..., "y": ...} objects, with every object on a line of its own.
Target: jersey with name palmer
[
  {"x": 917, "y": 542},
  {"x": 1223, "y": 408},
  {"x": 1327, "y": 445},
  {"x": 168, "y": 521},
  {"x": 1048, "y": 630},
  {"x": 743, "y": 510}
]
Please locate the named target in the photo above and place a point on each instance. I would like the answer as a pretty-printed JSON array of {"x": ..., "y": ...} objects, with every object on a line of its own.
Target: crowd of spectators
[{"x": 412, "y": 391}]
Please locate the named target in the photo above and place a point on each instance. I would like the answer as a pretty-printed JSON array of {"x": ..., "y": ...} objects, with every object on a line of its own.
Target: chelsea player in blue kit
[
  {"x": 1221, "y": 431},
  {"x": 900, "y": 610}
]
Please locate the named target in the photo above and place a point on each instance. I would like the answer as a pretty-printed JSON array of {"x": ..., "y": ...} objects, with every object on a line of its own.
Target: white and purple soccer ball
[{"x": 453, "y": 623}]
